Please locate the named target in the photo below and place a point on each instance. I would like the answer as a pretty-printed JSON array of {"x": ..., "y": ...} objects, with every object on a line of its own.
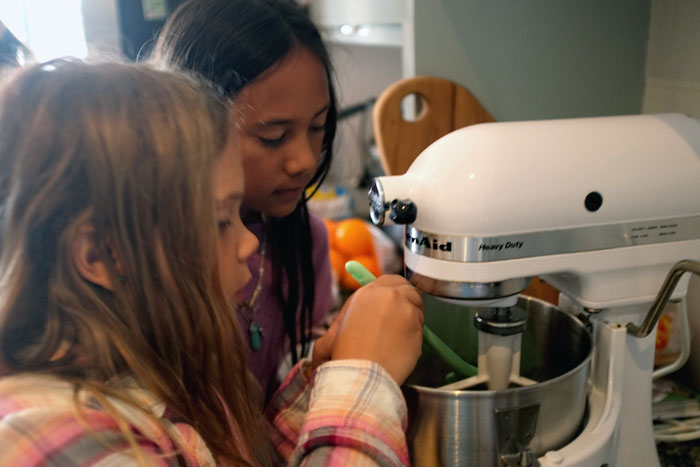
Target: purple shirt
[{"x": 266, "y": 360}]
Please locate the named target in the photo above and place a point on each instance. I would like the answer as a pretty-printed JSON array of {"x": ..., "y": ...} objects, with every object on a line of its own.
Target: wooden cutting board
[{"x": 444, "y": 106}]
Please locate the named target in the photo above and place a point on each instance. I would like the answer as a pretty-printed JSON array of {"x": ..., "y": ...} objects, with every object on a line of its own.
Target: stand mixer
[{"x": 607, "y": 210}]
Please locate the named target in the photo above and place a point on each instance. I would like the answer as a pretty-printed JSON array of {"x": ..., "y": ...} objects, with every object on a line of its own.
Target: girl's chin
[
  {"x": 281, "y": 210},
  {"x": 269, "y": 209}
]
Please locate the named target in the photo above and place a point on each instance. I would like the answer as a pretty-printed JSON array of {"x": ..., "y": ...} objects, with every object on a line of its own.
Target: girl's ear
[{"x": 87, "y": 258}]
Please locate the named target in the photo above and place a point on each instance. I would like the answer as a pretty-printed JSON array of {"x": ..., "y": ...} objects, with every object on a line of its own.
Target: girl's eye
[
  {"x": 317, "y": 129},
  {"x": 223, "y": 225},
  {"x": 272, "y": 142}
]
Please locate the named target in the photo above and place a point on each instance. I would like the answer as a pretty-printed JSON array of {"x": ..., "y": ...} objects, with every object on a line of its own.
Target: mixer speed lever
[{"x": 403, "y": 211}]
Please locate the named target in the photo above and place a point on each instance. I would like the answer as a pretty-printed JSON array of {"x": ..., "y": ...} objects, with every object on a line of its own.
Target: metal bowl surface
[{"x": 474, "y": 427}]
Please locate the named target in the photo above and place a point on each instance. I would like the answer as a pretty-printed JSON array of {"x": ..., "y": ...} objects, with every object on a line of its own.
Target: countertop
[{"x": 685, "y": 454}]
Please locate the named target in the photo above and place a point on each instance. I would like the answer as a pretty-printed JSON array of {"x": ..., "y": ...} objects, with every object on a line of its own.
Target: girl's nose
[
  {"x": 248, "y": 245},
  {"x": 303, "y": 158}
]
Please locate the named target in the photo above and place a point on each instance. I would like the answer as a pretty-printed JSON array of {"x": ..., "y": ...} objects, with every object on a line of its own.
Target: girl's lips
[{"x": 290, "y": 194}]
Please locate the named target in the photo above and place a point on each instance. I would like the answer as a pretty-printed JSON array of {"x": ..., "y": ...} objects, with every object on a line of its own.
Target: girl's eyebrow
[
  {"x": 323, "y": 109},
  {"x": 281, "y": 122}
]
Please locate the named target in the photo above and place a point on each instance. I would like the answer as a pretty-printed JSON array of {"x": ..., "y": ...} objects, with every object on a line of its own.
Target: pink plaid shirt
[{"x": 352, "y": 413}]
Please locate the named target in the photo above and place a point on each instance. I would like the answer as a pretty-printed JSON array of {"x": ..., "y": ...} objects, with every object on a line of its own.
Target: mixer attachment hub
[
  {"x": 502, "y": 321},
  {"x": 500, "y": 337}
]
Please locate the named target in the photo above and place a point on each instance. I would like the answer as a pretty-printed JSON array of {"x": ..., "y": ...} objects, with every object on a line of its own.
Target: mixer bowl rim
[{"x": 523, "y": 389}]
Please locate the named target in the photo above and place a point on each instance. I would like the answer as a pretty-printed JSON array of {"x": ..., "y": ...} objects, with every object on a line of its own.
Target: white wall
[
  {"x": 538, "y": 58},
  {"x": 50, "y": 29},
  {"x": 364, "y": 65},
  {"x": 101, "y": 23},
  {"x": 673, "y": 60},
  {"x": 361, "y": 72},
  {"x": 673, "y": 85}
]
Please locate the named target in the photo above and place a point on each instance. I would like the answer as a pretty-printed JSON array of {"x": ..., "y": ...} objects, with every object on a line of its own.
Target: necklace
[{"x": 249, "y": 308}]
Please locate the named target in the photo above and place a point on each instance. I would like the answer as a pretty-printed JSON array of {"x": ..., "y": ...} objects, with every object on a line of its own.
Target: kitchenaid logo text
[
  {"x": 501, "y": 246},
  {"x": 430, "y": 244}
]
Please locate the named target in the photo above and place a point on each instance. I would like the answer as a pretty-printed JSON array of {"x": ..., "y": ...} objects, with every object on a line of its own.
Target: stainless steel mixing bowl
[{"x": 476, "y": 427}]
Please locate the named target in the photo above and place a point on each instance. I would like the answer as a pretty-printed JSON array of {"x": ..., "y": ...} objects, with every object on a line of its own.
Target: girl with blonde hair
[{"x": 120, "y": 243}]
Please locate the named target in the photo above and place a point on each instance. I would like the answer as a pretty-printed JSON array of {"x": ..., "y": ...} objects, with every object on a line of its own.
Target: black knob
[{"x": 403, "y": 211}]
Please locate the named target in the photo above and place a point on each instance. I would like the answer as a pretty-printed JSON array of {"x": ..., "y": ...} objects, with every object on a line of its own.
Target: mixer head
[{"x": 601, "y": 208}]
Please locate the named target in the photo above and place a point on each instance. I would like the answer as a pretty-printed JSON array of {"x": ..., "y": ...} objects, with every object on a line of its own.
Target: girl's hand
[
  {"x": 323, "y": 347},
  {"x": 382, "y": 322}
]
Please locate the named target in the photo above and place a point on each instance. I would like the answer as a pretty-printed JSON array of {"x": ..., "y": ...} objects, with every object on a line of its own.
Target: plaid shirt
[{"x": 351, "y": 414}]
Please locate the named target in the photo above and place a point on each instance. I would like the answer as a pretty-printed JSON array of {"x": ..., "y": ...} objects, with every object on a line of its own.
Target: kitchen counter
[{"x": 685, "y": 454}]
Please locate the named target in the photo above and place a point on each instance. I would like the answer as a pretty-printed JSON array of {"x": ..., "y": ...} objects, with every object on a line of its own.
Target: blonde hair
[{"x": 131, "y": 149}]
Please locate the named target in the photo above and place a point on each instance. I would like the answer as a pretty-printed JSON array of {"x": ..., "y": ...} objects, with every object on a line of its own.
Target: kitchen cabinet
[{"x": 368, "y": 22}]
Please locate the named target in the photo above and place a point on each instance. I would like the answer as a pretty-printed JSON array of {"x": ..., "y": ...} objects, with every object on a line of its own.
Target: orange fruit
[
  {"x": 331, "y": 227},
  {"x": 347, "y": 282},
  {"x": 337, "y": 263},
  {"x": 353, "y": 238}
]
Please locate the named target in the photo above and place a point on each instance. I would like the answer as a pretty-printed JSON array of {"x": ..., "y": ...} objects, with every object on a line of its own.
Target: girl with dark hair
[
  {"x": 270, "y": 57},
  {"x": 121, "y": 244}
]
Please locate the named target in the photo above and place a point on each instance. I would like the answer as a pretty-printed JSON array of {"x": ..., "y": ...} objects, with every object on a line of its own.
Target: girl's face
[
  {"x": 235, "y": 242},
  {"x": 281, "y": 135}
]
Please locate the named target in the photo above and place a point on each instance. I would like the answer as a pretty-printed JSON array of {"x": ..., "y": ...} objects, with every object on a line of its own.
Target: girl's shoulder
[
  {"x": 40, "y": 420},
  {"x": 24, "y": 392}
]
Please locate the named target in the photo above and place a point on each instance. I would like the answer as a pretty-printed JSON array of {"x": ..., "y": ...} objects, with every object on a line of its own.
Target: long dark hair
[{"x": 231, "y": 43}]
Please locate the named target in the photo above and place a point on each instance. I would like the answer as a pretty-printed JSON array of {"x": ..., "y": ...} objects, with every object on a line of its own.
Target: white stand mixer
[{"x": 601, "y": 208}]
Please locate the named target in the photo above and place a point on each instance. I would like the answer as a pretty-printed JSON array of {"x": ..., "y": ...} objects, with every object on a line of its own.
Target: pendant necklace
[{"x": 249, "y": 308}]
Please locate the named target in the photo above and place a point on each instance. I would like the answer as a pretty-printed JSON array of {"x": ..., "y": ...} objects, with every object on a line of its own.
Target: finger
[
  {"x": 322, "y": 349},
  {"x": 323, "y": 343},
  {"x": 416, "y": 313},
  {"x": 332, "y": 330},
  {"x": 344, "y": 310},
  {"x": 421, "y": 317},
  {"x": 416, "y": 299},
  {"x": 341, "y": 314},
  {"x": 389, "y": 280},
  {"x": 412, "y": 295}
]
